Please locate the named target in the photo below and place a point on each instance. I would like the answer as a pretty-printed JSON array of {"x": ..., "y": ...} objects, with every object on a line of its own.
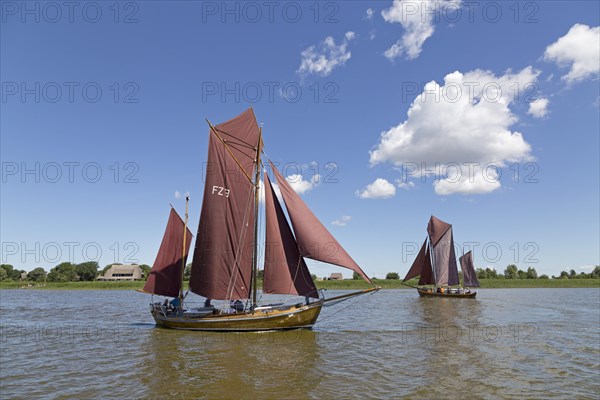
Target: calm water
[{"x": 513, "y": 343}]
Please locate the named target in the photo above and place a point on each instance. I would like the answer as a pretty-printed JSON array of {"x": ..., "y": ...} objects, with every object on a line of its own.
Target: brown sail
[
  {"x": 468, "y": 270},
  {"x": 436, "y": 228},
  {"x": 417, "y": 266},
  {"x": 421, "y": 267},
  {"x": 165, "y": 277},
  {"x": 285, "y": 269},
  {"x": 444, "y": 259},
  {"x": 426, "y": 273},
  {"x": 314, "y": 240},
  {"x": 222, "y": 263}
]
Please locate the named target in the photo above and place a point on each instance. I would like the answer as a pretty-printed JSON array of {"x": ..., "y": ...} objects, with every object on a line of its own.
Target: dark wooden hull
[
  {"x": 293, "y": 317},
  {"x": 426, "y": 293}
]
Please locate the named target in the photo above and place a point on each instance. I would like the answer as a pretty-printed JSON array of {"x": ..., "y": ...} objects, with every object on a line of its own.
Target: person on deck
[
  {"x": 207, "y": 302},
  {"x": 237, "y": 305},
  {"x": 175, "y": 303}
]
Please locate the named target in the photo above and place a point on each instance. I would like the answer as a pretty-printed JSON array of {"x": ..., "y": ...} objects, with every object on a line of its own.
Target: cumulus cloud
[
  {"x": 579, "y": 49},
  {"x": 300, "y": 185},
  {"x": 417, "y": 18},
  {"x": 467, "y": 122},
  {"x": 467, "y": 179},
  {"x": 343, "y": 221},
  {"x": 380, "y": 189},
  {"x": 323, "y": 58},
  {"x": 538, "y": 108},
  {"x": 370, "y": 13},
  {"x": 404, "y": 185}
]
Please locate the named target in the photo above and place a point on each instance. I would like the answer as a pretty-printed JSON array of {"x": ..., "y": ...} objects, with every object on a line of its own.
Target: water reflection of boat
[
  {"x": 436, "y": 268},
  {"x": 224, "y": 365},
  {"x": 224, "y": 265}
]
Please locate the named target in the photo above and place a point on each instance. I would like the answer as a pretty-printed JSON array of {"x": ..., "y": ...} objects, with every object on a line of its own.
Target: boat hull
[
  {"x": 294, "y": 317},
  {"x": 425, "y": 293}
]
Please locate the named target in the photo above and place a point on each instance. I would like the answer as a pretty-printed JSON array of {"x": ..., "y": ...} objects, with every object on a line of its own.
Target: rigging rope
[{"x": 343, "y": 308}]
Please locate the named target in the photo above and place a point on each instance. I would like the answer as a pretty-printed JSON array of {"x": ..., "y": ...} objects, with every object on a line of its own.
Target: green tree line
[
  {"x": 89, "y": 271},
  {"x": 63, "y": 272}
]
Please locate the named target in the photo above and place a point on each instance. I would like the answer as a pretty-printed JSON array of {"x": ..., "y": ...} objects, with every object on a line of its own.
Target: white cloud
[
  {"x": 343, "y": 221},
  {"x": 380, "y": 189},
  {"x": 579, "y": 49},
  {"x": 538, "y": 108},
  {"x": 370, "y": 13},
  {"x": 322, "y": 59},
  {"x": 302, "y": 186},
  {"x": 179, "y": 195},
  {"x": 466, "y": 120},
  {"x": 417, "y": 18},
  {"x": 404, "y": 185},
  {"x": 465, "y": 180}
]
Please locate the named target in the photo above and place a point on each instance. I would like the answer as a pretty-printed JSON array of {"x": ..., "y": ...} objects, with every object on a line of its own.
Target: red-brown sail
[
  {"x": 426, "y": 273},
  {"x": 421, "y": 267},
  {"x": 314, "y": 240},
  {"x": 444, "y": 259},
  {"x": 165, "y": 277},
  {"x": 222, "y": 263},
  {"x": 468, "y": 269},
  {"x": 285, "y": 269},
  {"x": 417, "y": 266},
  {"x": 436, "y": 228}
]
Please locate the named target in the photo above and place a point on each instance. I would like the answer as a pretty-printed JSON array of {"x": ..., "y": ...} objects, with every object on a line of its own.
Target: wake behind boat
[
  {"x": 436, "y": 268},
  {"x": 224, "y": 265}
]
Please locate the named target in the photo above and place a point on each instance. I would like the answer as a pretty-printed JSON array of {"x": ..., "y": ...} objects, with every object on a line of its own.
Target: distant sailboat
[
  {"x": 436, "y": 264},
  {"x": 224, "y": 265}
]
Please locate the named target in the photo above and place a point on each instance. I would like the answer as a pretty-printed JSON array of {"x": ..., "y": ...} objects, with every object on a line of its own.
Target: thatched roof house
[
  {"x": 122, "y": 272},
  {"x": 336, "y": 276}
]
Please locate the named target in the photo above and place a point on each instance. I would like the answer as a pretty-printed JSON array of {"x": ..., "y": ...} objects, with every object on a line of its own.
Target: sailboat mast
[
  {"x": 187, "y": 199},
  {"x": 256, "y": 193}
]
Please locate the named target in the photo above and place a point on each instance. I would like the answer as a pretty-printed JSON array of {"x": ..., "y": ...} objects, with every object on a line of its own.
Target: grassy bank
[
  {"x": 341, "y": 285},
  {"x": 485, "y": 283}
]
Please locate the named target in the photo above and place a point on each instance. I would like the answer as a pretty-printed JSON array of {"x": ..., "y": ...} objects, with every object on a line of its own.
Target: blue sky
[{"x": 368, "y": 100}]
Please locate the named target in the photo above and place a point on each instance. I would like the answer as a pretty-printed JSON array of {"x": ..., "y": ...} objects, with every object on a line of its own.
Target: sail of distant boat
[
  {"x": 468, "y": 270},
  {"x": 225, "y": 259},
  {"x": 435, "y": 264}
]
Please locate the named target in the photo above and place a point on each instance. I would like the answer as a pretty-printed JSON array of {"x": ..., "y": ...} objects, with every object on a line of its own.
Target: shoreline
[{"x": 333, "y": 285}]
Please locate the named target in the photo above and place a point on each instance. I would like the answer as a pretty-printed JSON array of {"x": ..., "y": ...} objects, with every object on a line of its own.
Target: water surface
[{"x": 508, "y": 343}]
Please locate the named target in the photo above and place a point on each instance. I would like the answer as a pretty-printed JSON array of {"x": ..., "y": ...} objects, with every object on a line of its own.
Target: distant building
[
  {"x": 122, "y": 272},
  {"x": 336, "y": 276}
]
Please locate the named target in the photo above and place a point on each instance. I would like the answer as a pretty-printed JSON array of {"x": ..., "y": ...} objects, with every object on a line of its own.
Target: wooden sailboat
[
  {"x": 435, "y": 265},
  {"x": 224, "y": 264}
]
